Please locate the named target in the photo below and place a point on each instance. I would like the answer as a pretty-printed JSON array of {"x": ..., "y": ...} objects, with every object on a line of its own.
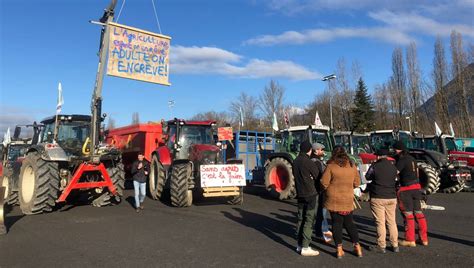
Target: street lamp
[
  {"x": 328, "y": 78},
  {"x": 409, "y": 122}
]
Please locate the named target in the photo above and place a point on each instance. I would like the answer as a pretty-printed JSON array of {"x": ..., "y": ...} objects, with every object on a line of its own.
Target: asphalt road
[{"x": 212, "y": 234}]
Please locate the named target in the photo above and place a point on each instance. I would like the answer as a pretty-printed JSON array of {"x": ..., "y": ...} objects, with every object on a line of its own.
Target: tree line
[{"x": 396, "y": 103}]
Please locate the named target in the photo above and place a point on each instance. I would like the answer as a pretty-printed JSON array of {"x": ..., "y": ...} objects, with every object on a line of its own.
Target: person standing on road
[
  {"x": 339, "y": 180},
  {"x": 322, "y": 226},
  {"x": 409, "y": 197},
  {"x": 140, "y": 170},
  {"x": 382, "y": 175},
  {"x": 305, "y": 173}
]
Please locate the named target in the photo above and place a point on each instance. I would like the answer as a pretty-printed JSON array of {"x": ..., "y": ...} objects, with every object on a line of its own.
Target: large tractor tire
[
  {"x": 279, "y": 179},
  {"x": 429, "y": 178},
  {"x": 455, "y": 187},
  {"x": 38, "y": 185},
  {"x": 156, "y": 179},
  {"x": 117, "y": 175},
  {"x": 181, "y": 195},
  {"x": 238, "y": 199},
  {"x": 11, "y": 196}
]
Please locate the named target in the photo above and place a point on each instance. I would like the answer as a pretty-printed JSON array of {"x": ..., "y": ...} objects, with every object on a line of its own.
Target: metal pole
[
  {"x": 328, "y": 78},
  {"x": 96, "y": 106}
]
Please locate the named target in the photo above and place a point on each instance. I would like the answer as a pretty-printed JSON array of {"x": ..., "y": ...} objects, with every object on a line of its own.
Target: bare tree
[
  {"x": 440, "y": 78},
  {"x": 343, "y": 98},
  {"x": 320, "y": 104},
  {"x": 398, "y": 83},
  {"x": 222, "y": 118},
  {"x": 135, "y": 118},
  {"x": 414, "y": 82},
  {"x": 248, "y": 105},
  {"x": 271, "y": 101},
  {"x": 381, "y": 106},
  {"x": 459, "y": 63}
]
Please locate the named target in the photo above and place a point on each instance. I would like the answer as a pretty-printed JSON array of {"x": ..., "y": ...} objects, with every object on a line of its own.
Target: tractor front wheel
[
  {"x": 39, "y": 185},
  {"x": 156, "y": 180},
  {"x": 181, "y": 195},
  {"x": 279, "y": 179}
]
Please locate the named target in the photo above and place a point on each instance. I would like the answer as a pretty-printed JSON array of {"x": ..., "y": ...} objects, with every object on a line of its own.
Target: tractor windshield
[
  {"x": 291, "y": 140},
  {"x": 382, "y": 140},
  {"x": 361, "y": 144},
  {"x": 430, "y": 144},
  {"x": 16, "y": 150},
  {"x": 322, "y": 137},
  {"x": 195, "y": 135},
  {"x": 70, "y": 134},
  {"x": 450, "y": 144},
  {"x": 343, "y": 140}
]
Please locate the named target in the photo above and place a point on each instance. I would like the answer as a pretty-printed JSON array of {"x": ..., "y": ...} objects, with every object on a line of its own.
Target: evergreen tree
[{"x": 363, "y": 111}]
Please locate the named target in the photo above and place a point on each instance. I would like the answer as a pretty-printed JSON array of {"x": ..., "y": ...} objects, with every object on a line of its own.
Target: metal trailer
[{"x": 253, "y": 148}]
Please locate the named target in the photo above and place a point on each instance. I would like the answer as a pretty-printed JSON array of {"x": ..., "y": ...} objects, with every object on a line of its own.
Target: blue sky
[{"x": 219, "y": 49}]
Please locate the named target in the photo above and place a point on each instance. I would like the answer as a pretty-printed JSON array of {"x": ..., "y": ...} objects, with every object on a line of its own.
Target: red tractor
[{"x": 184, "y": 157}]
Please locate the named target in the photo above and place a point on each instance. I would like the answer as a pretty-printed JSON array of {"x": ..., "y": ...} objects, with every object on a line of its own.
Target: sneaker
[
  {"x": 309, "y": 252},
  {"x": 377, "y": 249},
  {"x": 142, "y": 206},
  {"x": 396, "y": 249},
  {"x": 298, "y": 249},
  {"x": 405, "y": 243},
  {"x": 423, "y": 243},
  {"x": 137, "y": 210}
]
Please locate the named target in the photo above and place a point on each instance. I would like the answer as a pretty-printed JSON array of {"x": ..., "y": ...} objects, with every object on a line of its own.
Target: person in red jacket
[{"x": 409, "y": 197}]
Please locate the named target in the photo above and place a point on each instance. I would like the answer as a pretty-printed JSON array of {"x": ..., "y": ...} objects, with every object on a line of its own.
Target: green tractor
[{"x": 278, "y": 169}]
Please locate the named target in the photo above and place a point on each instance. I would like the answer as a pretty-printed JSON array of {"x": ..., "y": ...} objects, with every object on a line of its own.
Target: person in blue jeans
[
  {"x": 140, "y": 170},
  {"x": 321, "y": 226}
]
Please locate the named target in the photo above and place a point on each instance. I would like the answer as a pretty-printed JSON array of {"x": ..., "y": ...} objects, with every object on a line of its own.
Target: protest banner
[{"x": 222, "y": 175}]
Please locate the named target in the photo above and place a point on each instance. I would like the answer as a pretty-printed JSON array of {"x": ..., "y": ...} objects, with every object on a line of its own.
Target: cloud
[
  {"x": 212, "y": 60},
  {"x": 12, "y": 116},
  {"x": 387, "y": 34},
  {"x": 397, "y": 28},
  {"x": 410, "y": 22}
]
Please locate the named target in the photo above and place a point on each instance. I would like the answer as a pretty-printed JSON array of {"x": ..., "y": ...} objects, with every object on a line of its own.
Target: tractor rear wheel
[
  {"x": 181, "y": 195},
  {"x": 38, "y": 185},
  {"x": 279, "y": 179},
  {"x": 11, "y": 196},
  {"x": 429, "y": 178},
  {"x": 156, "y": 180}
]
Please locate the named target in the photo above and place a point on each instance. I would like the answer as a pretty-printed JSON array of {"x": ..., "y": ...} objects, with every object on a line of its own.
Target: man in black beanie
[
  {"x": 305, "y": 173},
  {"x": 409, "y": 197}
]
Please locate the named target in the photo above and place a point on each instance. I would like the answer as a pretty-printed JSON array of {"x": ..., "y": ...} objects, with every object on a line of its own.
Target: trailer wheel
[
  {"x": 38, "y": 185},
  {"x": 181, "y": 195},
  {"x": 156, "y": 180},
  {"x": 11, "y": 196},
  {"x": 239, "y": 199},
  {"x": 279, "y": 179},
  {"x": 429, "y": 178}
]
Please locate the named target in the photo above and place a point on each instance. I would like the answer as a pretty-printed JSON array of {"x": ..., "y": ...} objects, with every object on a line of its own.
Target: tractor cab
[
  {"x": 291, "y": 138},
  {"x": 72, "y": 132},
  {"x": 385, "y": 139},
  {"x": 193, "y": 140}
]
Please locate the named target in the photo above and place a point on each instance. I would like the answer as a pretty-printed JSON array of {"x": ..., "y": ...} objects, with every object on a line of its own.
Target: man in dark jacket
[
  {"x": 305, "y": 173},
  {"x": 383, "y": 199},
  {"x": 140, "y": 170},
  {"x": 409, "y": 197}
]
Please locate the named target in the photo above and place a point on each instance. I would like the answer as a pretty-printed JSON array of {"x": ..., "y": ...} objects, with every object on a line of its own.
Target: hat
[
  {"x": 318, "y": 145},
  {"x": 399, "y": 145},
  {"x": 305, "y": 146},
  {"x": 381, "y": 152}
]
